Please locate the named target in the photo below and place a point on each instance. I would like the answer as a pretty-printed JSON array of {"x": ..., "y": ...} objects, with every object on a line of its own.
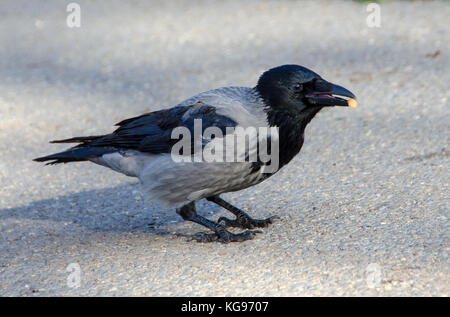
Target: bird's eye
[{"x": 297, "y": 86}]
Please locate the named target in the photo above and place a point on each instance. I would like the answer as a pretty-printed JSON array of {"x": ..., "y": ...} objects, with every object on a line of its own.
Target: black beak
[{"x": 326, "y": 94}]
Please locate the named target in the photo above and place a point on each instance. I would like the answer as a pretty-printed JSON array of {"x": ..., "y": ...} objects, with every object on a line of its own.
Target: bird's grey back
[{"x": 241, "y": 104}]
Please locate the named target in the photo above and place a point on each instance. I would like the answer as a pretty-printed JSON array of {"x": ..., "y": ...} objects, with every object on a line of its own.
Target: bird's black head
[
  {"x": 293, "y": 87},
  {"x": 293, "y": 96}
]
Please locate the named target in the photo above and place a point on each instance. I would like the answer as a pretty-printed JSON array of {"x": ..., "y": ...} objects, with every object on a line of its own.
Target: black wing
[{"x": 150, "y": 133}]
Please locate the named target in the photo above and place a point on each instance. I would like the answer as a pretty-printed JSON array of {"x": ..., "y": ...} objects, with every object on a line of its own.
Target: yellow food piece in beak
[{"x": 352, "y": 103}]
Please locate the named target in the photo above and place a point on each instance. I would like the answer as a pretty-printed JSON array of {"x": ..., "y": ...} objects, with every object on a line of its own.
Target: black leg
[
  {"x": 189, "y": 213},
  {"x": 243, "y": 220}
]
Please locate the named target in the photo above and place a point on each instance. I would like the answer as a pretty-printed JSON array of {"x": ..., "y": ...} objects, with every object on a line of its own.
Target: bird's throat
[{"x": 291, "y": 129}]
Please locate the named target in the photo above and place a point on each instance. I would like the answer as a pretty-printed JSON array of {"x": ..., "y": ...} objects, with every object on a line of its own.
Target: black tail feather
[
  {"x": 75, "y": 154},
  {"x": 79, "y": 139}
]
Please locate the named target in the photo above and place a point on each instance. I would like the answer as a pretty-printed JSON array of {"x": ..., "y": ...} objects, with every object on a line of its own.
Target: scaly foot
[
  {"x": 224, "y": 236},
  {"x": 245, "y": 222}
]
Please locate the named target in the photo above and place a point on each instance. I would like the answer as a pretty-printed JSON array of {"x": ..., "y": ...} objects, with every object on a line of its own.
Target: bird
[{"x": 285, "y": 99}]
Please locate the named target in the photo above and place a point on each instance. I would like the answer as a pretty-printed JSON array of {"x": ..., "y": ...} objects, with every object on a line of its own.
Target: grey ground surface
[{"x": 371, "y": 186}]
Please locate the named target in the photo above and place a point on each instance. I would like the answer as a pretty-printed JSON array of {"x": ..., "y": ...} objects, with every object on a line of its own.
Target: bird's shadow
[{"x": 121, "y": 208}]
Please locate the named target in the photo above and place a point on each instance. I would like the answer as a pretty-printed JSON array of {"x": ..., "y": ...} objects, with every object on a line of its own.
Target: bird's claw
[
  {"x": 204, "y": 237},
  {"x": 225, "y": 236},
  {"x": 246, "y": 222}
]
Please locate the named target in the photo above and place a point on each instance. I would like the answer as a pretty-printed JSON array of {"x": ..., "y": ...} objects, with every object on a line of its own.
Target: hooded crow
[{"x": 284, "y": 101}]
